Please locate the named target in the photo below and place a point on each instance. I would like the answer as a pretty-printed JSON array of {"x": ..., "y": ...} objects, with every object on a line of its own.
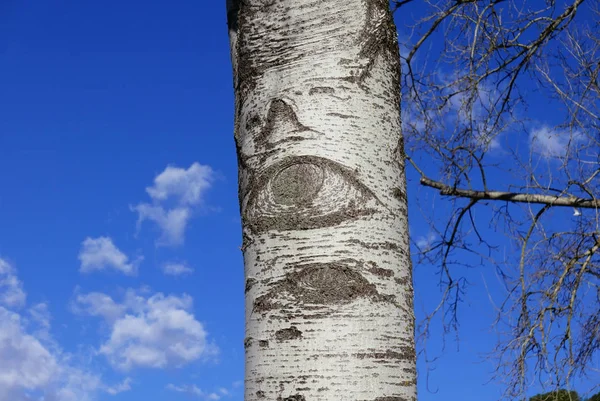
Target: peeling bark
[{"x": 323, "y": 201}]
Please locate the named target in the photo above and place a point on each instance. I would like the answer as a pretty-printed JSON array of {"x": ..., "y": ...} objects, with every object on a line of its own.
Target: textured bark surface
[{"x": 329, "y": 310}]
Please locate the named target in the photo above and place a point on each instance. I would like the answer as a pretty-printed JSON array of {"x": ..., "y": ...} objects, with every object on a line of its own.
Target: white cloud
[
  {"x": 11, "y": 289},
  {"x": 172, "y": 222},
  {"x": 75, "y": 385},
  {"x": 101, "y": 254},
  {"x": 34, "y": 367},
  {"x": 424, "y": 243},
  {"x": 154, "y": 332},
  {"x": 176, "y": 269},
  {"x": 164, "y": 334},
  {"x": 98, "y": 304},
  {"x": 24, "y": 362},
  {"x": 175, "y": 194},
  {"x": 552, "y": 143},
  {"x": 185, "y": 185}
]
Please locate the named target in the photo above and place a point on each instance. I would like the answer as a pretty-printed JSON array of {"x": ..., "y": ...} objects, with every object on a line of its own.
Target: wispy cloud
[
  {"x": 154, "y": 332},
  {"x": 11, "y": 289},
  {"x": 196, "y": 392},
  {"x": 100, "y": 253},
  {"x": 175, "y": 194},
  {"x": 553, "y": 143},
  {"x": 190, "y": 389},
  {"x": 465, "y": 111},
  {"x": 176, "y": 269},
  {"x": 125, "y": 385},
  {"x": 98, "y": 304},
  {"x": 424, "y": 243},
  {"x": 39, "y": 318}
]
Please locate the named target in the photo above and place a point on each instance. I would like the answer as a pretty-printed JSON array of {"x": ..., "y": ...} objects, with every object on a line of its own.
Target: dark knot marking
[
  {"x": 328, "y": 284},
  {"x": 291, "y": 333},
  {"x": 296, "y": 397},
  {"x": 305, "y": 192},
  {"x": 318, "y": 284},
  {"x": 281, "y": 125},
  {"x": 297, "y": 184}
]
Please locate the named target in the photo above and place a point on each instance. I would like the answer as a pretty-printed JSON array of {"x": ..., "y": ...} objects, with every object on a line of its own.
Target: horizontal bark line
[{"x": 517, "y": 197}]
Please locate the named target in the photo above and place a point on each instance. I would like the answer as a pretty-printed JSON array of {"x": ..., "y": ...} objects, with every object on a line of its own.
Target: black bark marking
[
  {"x": 399, "y": 152},
  {"x": 263, "y": 303},
  {"x": 252, "y": 123},
  {"x": 233, "y": 7},
  {"x": 399, "y": 194},
  {"x": 388, "y": 354},
  {"x": 403, "y": 281},
  {"x": 241, "y": 158},
  {"x": 408, "y": 297},
  {"x": 291, "y": 333},
  {"x": 247, "y": 240},
  {"x": 381, "y": 272},
  {"x": 296, "y": 397},
  {"x": 260, "y": 394},
  {"x": 282, "y": 120},
  {"x": 306, "y": 192},
  {"x": 281, "y": 126},
  {"x": 408, "y": 353},
  {"x": 321, "y": 89},
  {"x": 242, "y": 18},
  {"x": 390, "y": 398},
  {"x": 263, "y": 343},
  {"x": 340, "y": 115},
  {"x": 378, "y": 38},
  {"x": 249, "y": 284},
  {"x": 387, "y": 245},
  {"x": 287, "y": 139}
]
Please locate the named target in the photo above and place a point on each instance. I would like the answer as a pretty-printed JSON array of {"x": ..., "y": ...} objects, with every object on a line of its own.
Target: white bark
[{"x": 329, "y": 310}]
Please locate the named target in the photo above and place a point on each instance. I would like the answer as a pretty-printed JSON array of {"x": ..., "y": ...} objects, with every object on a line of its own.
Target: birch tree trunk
[{"x": 329, "y": 300}]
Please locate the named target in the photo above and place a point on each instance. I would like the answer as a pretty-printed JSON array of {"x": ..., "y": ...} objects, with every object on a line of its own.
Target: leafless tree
[{"x": 501, "y": 115}]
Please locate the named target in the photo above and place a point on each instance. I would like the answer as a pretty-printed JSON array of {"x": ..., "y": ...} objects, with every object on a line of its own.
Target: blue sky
[{"x": 121, "y": 276}]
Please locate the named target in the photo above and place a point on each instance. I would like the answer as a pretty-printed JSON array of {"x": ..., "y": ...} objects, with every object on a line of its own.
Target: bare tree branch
[{"x": 517, "y": 197}]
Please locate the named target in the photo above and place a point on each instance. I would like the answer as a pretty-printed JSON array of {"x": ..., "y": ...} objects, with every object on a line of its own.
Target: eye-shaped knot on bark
[
  {"x": 323, "y": 284},
  {"x": 297, "y": 184},
  {"x": 328, "y": 284},
  {"x": 306, "y": 192}
]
